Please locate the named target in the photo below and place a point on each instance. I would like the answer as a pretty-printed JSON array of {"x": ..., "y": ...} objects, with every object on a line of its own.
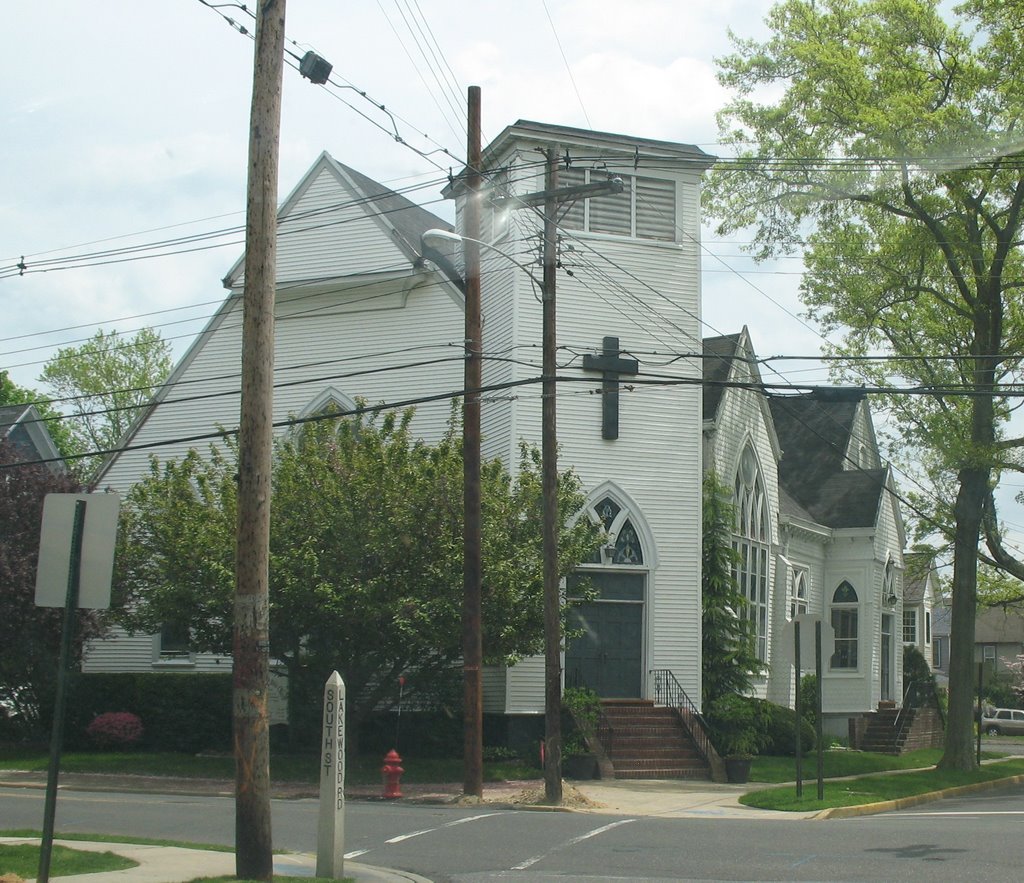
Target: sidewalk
[{"x": 172, "y": 864}]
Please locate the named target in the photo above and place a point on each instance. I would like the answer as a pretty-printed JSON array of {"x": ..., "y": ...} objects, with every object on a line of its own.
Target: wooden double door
[{"x": 606, "y": 650}]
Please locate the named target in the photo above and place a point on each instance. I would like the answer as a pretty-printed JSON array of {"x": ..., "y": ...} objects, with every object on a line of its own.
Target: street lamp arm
[{"x": 431, "y": 239}]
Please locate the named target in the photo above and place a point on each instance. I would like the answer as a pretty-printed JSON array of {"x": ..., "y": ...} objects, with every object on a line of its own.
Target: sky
[{"x": 126, "y": 123}]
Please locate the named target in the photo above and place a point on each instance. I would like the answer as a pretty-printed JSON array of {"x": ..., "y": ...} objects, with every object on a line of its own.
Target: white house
[{"x": 644, "y": 409}]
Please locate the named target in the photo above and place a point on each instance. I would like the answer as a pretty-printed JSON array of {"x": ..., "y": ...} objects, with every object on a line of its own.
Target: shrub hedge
[{"x": 180, "y": 712}]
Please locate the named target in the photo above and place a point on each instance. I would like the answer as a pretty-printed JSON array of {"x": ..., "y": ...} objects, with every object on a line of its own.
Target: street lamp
[{"x": 433, "y": 239}]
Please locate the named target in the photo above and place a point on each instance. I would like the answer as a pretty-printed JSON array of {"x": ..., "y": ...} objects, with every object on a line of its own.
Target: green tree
[
  {"x": 29, "y": 635},
  {"x": 56, "y": 424},
  {"x": 366, "y": 557},
  {"x": 729, "y": 658},
  {"x": 881, "y": 135},
  {"x": 105, "y": 382}
]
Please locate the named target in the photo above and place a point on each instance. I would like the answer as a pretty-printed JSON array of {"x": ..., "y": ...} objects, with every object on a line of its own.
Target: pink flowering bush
[{"x": 115, "y": 729}]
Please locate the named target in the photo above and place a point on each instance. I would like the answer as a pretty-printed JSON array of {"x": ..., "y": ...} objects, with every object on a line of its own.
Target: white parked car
[{"x": 1003, "y": 722}]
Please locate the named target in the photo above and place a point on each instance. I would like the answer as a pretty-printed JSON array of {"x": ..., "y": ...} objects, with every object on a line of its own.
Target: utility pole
[
  {"x": 472, "y": 568},
  {"x": 251, "y": 662},
  {"x": 551, "y": 197},
  {"x": 549, "y": 490}
]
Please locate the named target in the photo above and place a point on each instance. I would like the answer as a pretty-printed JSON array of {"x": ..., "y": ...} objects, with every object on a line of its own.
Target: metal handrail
[
  {"x": 670, "y": 693},
  {"x": 914, "y": 697}
]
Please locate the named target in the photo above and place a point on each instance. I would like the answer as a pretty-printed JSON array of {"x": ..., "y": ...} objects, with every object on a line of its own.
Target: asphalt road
[{"x": 975, "y": 839}]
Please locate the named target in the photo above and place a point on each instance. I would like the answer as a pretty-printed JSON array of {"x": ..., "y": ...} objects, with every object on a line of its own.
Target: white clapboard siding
[{"x": 359, "y": 326}]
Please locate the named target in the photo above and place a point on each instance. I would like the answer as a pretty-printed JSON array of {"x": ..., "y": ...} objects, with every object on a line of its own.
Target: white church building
[{"x": 361, "y": 308}]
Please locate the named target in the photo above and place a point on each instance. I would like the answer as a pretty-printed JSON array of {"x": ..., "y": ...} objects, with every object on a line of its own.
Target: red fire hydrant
[{"x": 392, "y": 771}]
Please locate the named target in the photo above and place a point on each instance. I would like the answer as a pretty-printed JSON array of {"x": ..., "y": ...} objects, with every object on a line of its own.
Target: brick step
[
  {"x": 648, "y": 742},
  {"x": 645, "y": 763},
  {"x": 647, "y": 731},
  {"x": 621, "y": 742},
  {"x": 650, "y": 753},
  {"x": 643, "y": 760},
  {"x": 642, "y": 717}
]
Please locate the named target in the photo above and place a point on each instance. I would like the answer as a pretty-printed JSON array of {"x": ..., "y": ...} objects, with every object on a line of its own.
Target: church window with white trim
[{"x": 751, "y": 542}]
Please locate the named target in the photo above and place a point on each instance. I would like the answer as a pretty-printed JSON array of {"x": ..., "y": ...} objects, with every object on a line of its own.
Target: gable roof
[
  {"x": 398, "y": 221},
  {"x": 24, "y": 427},
  {"x": 815, "y": 432},
  {"x": 329, "y": 213},
  {"x": 10, "y": 416},
  {"x": 408, "y": 220},
  {"x": 999, "y": 625},
  {"x": 719, "y": 354},
  {"x": 919, "y": 571}
]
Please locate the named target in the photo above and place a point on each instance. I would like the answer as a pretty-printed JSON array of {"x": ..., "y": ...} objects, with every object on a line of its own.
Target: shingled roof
[
  {"x": 719, "y": 353},
  {"x": 919, "y": 566},
  {"x": 409, "y": 220},
  {"x": 10, "y": 415},
  {"x": 815, "y": 482},
  {"x": 814, "y": 434}
]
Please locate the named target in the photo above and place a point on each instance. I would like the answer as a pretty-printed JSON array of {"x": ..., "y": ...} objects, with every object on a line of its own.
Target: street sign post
[
  {"x": 330, "y": 835},
  {"x": 77, "y": 546},
  {"x": 97, "y": 550}
]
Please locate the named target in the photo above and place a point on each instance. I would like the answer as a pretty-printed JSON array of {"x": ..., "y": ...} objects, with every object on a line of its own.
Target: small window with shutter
[{"x": 645, "y": 209}]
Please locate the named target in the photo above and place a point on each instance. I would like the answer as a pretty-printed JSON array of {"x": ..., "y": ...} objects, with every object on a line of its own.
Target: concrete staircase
[{"x": 643, "y": 741}]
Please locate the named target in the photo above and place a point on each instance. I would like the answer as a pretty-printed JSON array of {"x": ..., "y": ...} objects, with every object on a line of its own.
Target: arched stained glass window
[
  {"x": 750, "y": 540},
  {"x": 624, "y": 546},
  {"x": 627, "y": 546}
]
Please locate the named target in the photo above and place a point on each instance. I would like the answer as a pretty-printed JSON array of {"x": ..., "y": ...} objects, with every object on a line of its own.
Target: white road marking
[
  {"x": 529, "y": 862},
  {"x": 400, "y": 837}
]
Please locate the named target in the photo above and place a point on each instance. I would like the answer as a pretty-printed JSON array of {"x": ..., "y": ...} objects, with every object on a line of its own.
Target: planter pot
[
  {"x": 580, "y": 766},
  {"x": 737, "y": 769}
]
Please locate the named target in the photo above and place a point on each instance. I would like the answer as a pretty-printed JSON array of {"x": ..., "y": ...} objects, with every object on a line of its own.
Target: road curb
[{"x": 867, "y": 809}]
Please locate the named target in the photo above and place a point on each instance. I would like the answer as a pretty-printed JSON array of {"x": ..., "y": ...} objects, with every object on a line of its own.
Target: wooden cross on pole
[{"x": 611, "y": 365}]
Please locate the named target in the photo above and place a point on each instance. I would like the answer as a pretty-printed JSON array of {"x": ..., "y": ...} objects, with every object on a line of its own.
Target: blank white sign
[{"x": 98, "y": 538}]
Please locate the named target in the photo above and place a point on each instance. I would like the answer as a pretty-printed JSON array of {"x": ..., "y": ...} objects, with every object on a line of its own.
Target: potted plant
[
  {"x": 736, "y": 727},
  {"x": 740, "y": 749},
  {"x": 582, "y": 711}
]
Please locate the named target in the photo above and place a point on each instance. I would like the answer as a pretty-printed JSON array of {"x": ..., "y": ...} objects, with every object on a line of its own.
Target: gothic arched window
[
  {"x": 751, "y": 535},
  {"x": 623, "y": 545}
]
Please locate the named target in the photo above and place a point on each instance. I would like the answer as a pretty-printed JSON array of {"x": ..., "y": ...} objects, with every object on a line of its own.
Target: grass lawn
[
  {"x": 23, "y": 859},
  {"x": 876, "y": 788},
  {"x": 283, "y": 767},
  {"x": 117, "y": 838},
  {"x": 840, "y": 763}
]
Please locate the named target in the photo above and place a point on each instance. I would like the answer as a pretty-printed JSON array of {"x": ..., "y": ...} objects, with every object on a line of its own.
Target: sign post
[
  {"x": 813, "y": 644},
  {"x": 78, "y": 579},
  {"x": 330, "y": 836}
]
